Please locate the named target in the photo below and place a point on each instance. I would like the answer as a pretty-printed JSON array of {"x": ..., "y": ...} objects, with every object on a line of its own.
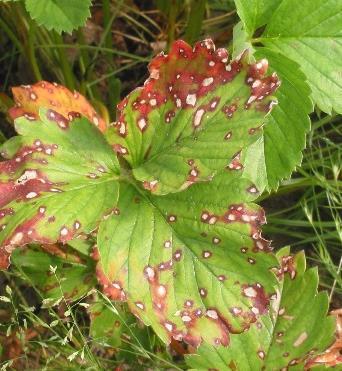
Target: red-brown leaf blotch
[{"x": 30, "y": 98}]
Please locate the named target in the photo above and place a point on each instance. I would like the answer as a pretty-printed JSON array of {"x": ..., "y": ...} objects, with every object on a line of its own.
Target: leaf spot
[
  {"x": 203, "y": 292},
  {"x": 31, "y": 195},
  {"x": 142, "y": 124},
  {"x": 250, "y": 292},
  {"x": 140, "y": 305},
  {"x": 212, "y": 314},
  {"x": 198, "y": 117},
  {"x": 186, "y": 318},
  {"x": 301, "y": 338},
  {"x": 216, "y": 240},
  {"x": 17, "y": 238},
  {"x": 149, "y": 272},
  {"x": 191, "y": 99},
  {"x": 64, "y": 231},
  {"x": 261, "y": 354},
  {"x": 177, "y": 255},
  {"x": 207, "y": 81},
  {"x": 161, "y": 291},
  {"x": 168, "y": 326},
  {"x": 206, "y": 254}
]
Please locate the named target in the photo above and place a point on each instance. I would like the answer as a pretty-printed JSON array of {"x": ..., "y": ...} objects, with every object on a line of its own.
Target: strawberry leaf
[
  {"x": 289, "y": 335},
  {"x": 108, "y": 325},
  {"x": 280, "y": 149},
  {"x": 293, "y": 44},
  {"x": 191, "y": 264},
  {"x": 72, "y": 279},
  {"x": 59, "y": 181},
  {"x": 255, "y": 13},
  {"x": 59, "y": 15},
  {"x": 310, "y": 36},
  {"x": 193, "y": 116},
  {"x": 30, "y": 98}
]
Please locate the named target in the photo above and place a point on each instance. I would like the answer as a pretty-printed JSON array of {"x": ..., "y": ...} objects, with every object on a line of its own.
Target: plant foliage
[
  {"x": 168, "y": 192},
  {"x": 285, "y": 336},
  {"x": 58, "y": 15},
  {"x": 299, "y": 31},
  {"x": 60, "y": 179}
]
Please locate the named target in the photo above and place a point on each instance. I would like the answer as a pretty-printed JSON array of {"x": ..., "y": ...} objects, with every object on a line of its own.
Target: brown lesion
[
  {"x": 333, "y": 355},
  {"x": 22, "y": 235},
  {"x": 112, "y": 289},
  {"x": 239, "y": 213},
  {"x": 64, "y": 252}
]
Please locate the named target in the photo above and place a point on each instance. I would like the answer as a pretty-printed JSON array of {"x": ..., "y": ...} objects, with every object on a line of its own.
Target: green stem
[
  {"x": 11, "y": 35},
  {"x": 195, "y": 19},
  {"x": 31, "y": 51},
  {"x": 84, "y": 63},
  {"x": 107, "y": 22},
  {"x": 65, "y": 64},
  {"x": 97, "y": 49},
  {"x": 114, "y": 84},
  {"x": 322, "y": 122},
  {"x": 172, "y": 22}
]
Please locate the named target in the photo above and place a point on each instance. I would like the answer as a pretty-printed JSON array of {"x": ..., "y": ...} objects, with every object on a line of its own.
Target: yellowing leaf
[{"x": 30, "y": 98}]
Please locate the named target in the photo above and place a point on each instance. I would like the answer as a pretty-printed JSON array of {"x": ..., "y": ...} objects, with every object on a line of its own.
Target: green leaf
[
  {"x": 190, "y": 264},
  {"x": 284, "y": 134},
  {"x": 118, "y": 328},
  {"x": 309, "y": 32},
  {"x": 106, "y": 325},
  {"x": 255, "y": 13},
  {"x": 59, "y": 15},
  {"x": 193, "y": 116},
  {"x": 71, "y": 279},
  {"x": 241, "y": 41},
  {"x": 59, "y": 181},
  {"x": 288, "y": 335},
  {"x": 299, "y": 36}
]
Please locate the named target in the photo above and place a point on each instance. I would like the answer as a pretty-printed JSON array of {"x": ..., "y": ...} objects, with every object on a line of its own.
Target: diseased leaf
[
  {"x": 288, "y": 336},
  {"x": 193, "y": 116},
  {"x": 30, "y": 98},
  {"x": 333, "y": 355},
  {"x": 311, "y": 36},
  {"x": 74, "y": 278},
  {"x": 191, "y": 264},
  {"x": 59, "y": 15},
  {"x": 59, "y": 181},
  {"x": 286, "y": 126}
]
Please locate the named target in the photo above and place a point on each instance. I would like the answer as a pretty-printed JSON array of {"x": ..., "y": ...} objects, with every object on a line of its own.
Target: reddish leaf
[
  {"x": 29, "y": 98},
  {"x": 59, "y": 180},
  {"x": 193, "y": 116}
]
